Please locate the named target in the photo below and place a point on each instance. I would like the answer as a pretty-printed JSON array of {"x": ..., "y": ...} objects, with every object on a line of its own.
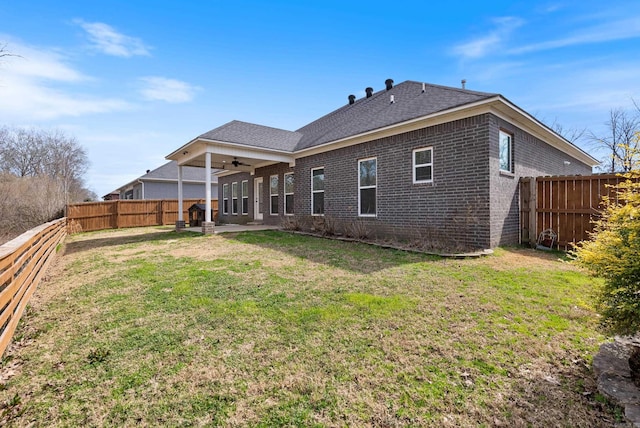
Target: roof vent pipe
[
  {"x": 424, "y": 87},
  {"x": 464, "y": 82},
  {"x": 352, "y": 99},
  {"x": 391, "y": 100},
  {"x": 369, "y": 92},
  {"x": 389, "y": 83}
]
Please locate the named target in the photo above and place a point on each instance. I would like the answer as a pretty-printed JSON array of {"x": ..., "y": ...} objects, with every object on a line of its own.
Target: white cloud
[
  {"x": 487, "y": 44},
  {"x": 616, "y": 30},
  {"x": 31, "y": 87},
  {"x": 169, "y": 90},
  {"x": 107, "y": 40}
]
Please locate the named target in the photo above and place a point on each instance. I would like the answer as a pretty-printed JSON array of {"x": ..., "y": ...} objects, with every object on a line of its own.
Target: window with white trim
[
  {"x": 367, "y": 184},
  {"x": 234, "y": 198},
  {"x": 225, "y": 199},
  {"x": 317, "y": 191},
  {"x": 506, "y": 151},
  {"x": 273, "y": 193},
  {"x": 244, "y": 193},
  {"x": 423, "y": 165},
  {"x": 288, "y": 193}
]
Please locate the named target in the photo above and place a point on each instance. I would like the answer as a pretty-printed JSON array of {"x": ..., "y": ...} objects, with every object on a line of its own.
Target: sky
[{"x": 133, "y": 81}]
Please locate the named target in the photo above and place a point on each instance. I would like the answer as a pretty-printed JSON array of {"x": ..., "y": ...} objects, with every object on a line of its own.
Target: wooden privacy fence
[
  {"x": 129, "y": 213},
  {"x": 23, "y": 262},
  {"x": 564, "y": 204}
]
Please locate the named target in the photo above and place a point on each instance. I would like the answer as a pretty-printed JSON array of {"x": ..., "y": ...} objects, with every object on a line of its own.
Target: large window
[
  {"x": 288, "y": 193},
  {"x": 245, "y": 197},
  {"x": 234, "y": 198},
  {"x": 225, "y": 199},
  {"x": 367, "y": 186},
  {"x": 506, "y": 152},
  {"x": 423, "y": 165},
  {"x": 317, "y": 191},
  {"x": 273, "y": 192}
]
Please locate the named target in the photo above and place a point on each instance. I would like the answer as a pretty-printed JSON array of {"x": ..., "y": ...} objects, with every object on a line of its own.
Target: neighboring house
[
  {"x": 411, "y": 161},
  {"x": 162, "y": 183},
  {"x": 113, "y": 196}
]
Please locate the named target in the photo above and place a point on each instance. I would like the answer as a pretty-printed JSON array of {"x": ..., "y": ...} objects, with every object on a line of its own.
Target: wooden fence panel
[
  {"x": 117, "y": 214},
  {"x": 566, "y": 204},
  {"x": 23, "y": 262}
]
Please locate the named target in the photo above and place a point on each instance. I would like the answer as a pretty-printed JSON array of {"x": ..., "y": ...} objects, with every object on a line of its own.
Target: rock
[{"x": 612, "y": 358}]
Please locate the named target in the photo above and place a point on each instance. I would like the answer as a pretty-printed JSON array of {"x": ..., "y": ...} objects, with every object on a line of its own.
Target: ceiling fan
[{"x": 235, "y": 162}]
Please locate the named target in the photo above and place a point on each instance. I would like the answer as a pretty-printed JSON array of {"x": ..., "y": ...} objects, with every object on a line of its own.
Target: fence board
[
  {"x": 118, "y": 214},
  {"x": 566, "y": 204},
  {"x": 23, "y": 262}
]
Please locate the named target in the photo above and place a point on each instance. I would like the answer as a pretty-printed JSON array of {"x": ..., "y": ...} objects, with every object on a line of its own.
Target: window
[
  {"x": 273, "y": 192},
  {"x": 225, "y": 199},
  {"x": 367, "y": 186},
  {"x": 234, "y": 198},
  {"x": 506, "y": 152},
  {"x": 317, "y": 191},
  {"x": 423, "y": 165},
  {"x": 288, "y": 193},
  {"x": 245, "y": 197}
]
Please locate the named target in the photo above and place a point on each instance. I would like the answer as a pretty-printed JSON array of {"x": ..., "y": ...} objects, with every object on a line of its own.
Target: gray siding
[{"x": 164, "y": 190}]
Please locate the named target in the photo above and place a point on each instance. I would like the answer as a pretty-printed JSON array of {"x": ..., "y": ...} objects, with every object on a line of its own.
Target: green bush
[{"x": 613, "y": 253}]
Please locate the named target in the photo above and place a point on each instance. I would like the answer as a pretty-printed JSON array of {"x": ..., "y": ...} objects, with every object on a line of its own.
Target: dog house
[{"x": 196, "y": 214}]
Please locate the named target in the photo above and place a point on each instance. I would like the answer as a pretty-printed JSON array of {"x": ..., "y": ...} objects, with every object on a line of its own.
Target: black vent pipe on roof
[
  {"x": 352, "y": 99},
  {"x": 369, "y": 92},
  {"x": 389, "y": 83}
]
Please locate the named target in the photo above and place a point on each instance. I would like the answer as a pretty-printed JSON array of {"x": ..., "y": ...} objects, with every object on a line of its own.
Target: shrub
[{"x": 613, "y": 253}]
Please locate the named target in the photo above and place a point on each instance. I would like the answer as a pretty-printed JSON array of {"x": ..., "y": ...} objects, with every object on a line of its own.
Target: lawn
[{"x": 147, "y": 327}]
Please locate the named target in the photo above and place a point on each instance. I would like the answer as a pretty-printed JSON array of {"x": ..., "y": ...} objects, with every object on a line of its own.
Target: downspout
[{"x": 142, "y": 182}]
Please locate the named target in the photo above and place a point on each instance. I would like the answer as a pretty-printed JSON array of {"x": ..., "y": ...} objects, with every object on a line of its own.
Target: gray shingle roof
[
  {"x": 368, "y": 114},
  {"x": 169, "y": 171},
  {"x": 250, "y": 134}
]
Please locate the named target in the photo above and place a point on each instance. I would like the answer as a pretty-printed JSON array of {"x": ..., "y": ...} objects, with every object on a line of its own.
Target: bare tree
[
  {"x": 40, "y": 173},
  {"x": 621, "y": 143},
  {"x": 574, "y": 135}
]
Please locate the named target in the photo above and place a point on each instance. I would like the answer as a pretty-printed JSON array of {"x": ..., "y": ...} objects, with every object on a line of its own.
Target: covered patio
[{"x": 232, "y": 148}]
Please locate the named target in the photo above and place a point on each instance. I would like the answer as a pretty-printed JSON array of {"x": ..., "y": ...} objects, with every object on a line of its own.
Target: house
[
  {"x": 162, "y": 183},
  {"x": 410, "y": 161}
]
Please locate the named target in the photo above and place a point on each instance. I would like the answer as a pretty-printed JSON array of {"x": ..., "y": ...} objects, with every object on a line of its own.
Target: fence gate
[{"x": 566, "y": 204}]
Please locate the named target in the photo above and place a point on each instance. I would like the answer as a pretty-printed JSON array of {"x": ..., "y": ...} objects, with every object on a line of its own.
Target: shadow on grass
[
  {"x": 155, "y": 236},
  {"x": 353, "y": 256}
]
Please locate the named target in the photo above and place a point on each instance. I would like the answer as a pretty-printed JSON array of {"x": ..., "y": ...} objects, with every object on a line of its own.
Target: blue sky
[{"x": 135, "y": 80}]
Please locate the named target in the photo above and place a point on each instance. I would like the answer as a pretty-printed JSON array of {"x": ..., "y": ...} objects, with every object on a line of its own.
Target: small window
[
  {"x": 245, "y": 197},
  {"x": 317, "y": 191},
  {"x": 225, "y": 199},
  {"x": 367, "y": 183},
  {"x": 234, "y": 198},
  {"x": 506, "y": 152},
  {"x": 288, "y": 193},
  {"x": 423, "y": 165},
  {"x": 273, "y": 192}
]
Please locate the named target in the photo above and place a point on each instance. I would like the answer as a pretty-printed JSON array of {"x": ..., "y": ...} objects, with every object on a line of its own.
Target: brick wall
[
  {"x": 532, "y": 158},
  {"x": 235, "y": 218},
  {"x": 451, "y": 211}
]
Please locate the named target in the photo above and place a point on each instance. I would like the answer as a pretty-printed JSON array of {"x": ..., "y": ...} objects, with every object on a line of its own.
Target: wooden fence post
[{"x": 533, "y": 212}]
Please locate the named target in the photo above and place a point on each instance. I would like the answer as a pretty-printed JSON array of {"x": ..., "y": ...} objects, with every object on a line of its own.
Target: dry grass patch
[{"x": 272, "y": 329}]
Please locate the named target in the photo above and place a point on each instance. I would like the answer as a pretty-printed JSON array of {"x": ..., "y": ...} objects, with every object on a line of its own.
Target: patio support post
[
  {"x": 180, "y": 224},
  {"x": 207, "y": 225}
]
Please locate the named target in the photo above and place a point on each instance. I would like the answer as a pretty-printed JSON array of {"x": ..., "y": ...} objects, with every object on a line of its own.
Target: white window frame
[
  {"x": 225, "y": 199},
  {"x": 244, "y": 196},
  {"x": 509, "y": 135},
  {"x": 313, "y": 191},
  {"x": 375, "y": 186},
  {"x": 234, "y": 198},
  {"x": 271, "y": 195},
  {"x": 421, "y": 165},
  {"x": 284, "y": 182}
]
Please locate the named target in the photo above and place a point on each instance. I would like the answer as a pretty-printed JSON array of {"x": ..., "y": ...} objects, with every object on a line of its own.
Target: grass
[{"x": 149, "y": 327}]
